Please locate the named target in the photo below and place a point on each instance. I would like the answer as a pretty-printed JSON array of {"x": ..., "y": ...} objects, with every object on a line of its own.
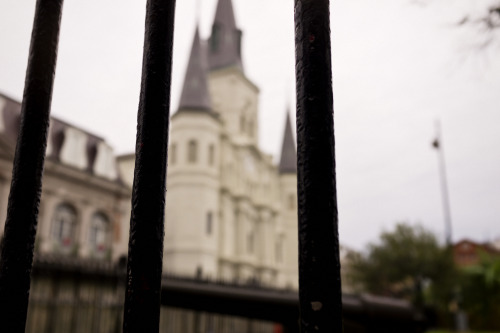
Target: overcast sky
[{"x": 397, "y": 67}]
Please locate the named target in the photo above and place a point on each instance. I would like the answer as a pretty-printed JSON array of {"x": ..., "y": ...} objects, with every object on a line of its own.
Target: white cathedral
[{"x": 230, "y": 211}]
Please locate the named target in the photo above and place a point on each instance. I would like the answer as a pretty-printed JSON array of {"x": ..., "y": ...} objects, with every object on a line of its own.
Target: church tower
[
  {"x": 192, "y": 200},
  {"x": 230, "y": 211},
  {"x": 288, "y": 237},
  {"x": 225, "y": 41},
  {"x": 235, "y": 97}
]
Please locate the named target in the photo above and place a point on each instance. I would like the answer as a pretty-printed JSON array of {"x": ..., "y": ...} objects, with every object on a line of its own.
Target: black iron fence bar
[
  {"x": 145, "y": 253},
  {"x": 320, "y": 297},
  {"x": 24, "y": 198}
]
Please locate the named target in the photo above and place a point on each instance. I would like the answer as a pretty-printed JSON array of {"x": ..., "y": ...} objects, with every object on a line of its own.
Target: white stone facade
[
  {"x": 85, "y": 208},
  {"x": 230, "y": 213}
]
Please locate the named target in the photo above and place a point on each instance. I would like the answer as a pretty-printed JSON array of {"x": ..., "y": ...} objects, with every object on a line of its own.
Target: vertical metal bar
[
  {"x": 24, "y": 198},
  {"x": 319, "y": 265},
  {"x": 145, "y": 253}
]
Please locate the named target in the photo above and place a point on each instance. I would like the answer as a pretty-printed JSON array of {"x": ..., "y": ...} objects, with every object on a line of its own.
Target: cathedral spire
[
  {"x": 195, "y": 89},
  {"x": 288, "y": 162},
  {"x": 225, "y": 41}
]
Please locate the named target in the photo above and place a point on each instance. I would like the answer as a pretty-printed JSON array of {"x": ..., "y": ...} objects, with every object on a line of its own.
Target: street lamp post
[{"x": 438, "y": 145}]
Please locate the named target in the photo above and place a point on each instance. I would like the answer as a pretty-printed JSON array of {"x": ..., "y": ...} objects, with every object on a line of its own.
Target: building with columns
[
  {"x": 230, "y": 211},
  {"x": 85, "y": 207}
]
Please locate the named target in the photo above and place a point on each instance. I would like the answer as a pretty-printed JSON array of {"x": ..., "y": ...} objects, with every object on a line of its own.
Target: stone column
[
  {"x": 261, "y": 241},
  {"x": 44, "y": 239},
  {"x": 238, "y": 232},
  {"x": 120, "y": 222},
  {"x": 85, "y": 211}
]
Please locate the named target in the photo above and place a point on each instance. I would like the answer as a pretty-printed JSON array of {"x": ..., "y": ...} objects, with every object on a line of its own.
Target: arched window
[
  {"x": 64, "y": 226},
  {"x": 211, "y": 155},
  {"x": 173, "y": 153},
  {"x": 99, "y": 235},
  {"x": 209, "y": 225},
  {"x": 192, "y": 151}
]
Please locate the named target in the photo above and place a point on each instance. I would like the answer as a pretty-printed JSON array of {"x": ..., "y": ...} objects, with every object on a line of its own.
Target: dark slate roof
[
  {"x": 224, "y": 14},
  {"x": 11, "y": 114},
  {"x": 288, "y": 162},
  {"x": 225, "y": 41},
  {"x": 195, "y": 93}
]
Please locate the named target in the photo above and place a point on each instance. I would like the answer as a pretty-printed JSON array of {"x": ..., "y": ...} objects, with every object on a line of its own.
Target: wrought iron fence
[
  {"x": 81, "y": 302},
  {"x": 319, "y": 266},
  {"x": 85, "y": 295}
]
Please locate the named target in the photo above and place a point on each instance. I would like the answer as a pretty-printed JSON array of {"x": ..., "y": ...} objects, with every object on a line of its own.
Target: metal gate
[{"x": 319, "y": 265}]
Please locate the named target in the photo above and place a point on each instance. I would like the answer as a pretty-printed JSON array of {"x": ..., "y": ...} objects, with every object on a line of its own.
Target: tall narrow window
[
  {"x": 242, "y": 123},
  {"x": 173, "y": 153},
  {"x": 291, "y": 201},
  {"x": 250, "y": 128},
  {"x": 99, "y": 235},
  {"x": 250, "y": 242},
  {"x": 215, "y": 38},
  {"x": 64, "y": 226},
  {"x": 238, "y": 39},
  {"x": 192, "y": 151},
  {"x": 211, "y": 155},
  {"x": 209, "y": 223},
  {"x": 279, "y": 250}
]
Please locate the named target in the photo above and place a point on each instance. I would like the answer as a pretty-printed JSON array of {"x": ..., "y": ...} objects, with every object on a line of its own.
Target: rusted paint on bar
[
  {"x": 24, "y": 199},
  {"x": 319, "y": 265},
  {"x": 144, "y": 267}
]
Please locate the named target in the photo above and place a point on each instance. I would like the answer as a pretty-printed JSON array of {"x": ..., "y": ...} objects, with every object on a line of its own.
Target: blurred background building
[
  {"x": 467, "y": 253},
  {"x": 85, "y": 207}
]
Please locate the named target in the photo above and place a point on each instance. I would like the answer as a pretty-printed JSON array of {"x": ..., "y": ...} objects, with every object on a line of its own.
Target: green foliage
[
  {"x": 480, "y": 293},
  {"x": 408, "y": 262}
]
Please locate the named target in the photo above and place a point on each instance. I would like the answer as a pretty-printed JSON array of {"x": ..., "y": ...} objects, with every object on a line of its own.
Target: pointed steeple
[
  {"x": 225, "y": 41},
  {"x": 195, "y": 93},
  {"x": 288, "y": 161}
]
